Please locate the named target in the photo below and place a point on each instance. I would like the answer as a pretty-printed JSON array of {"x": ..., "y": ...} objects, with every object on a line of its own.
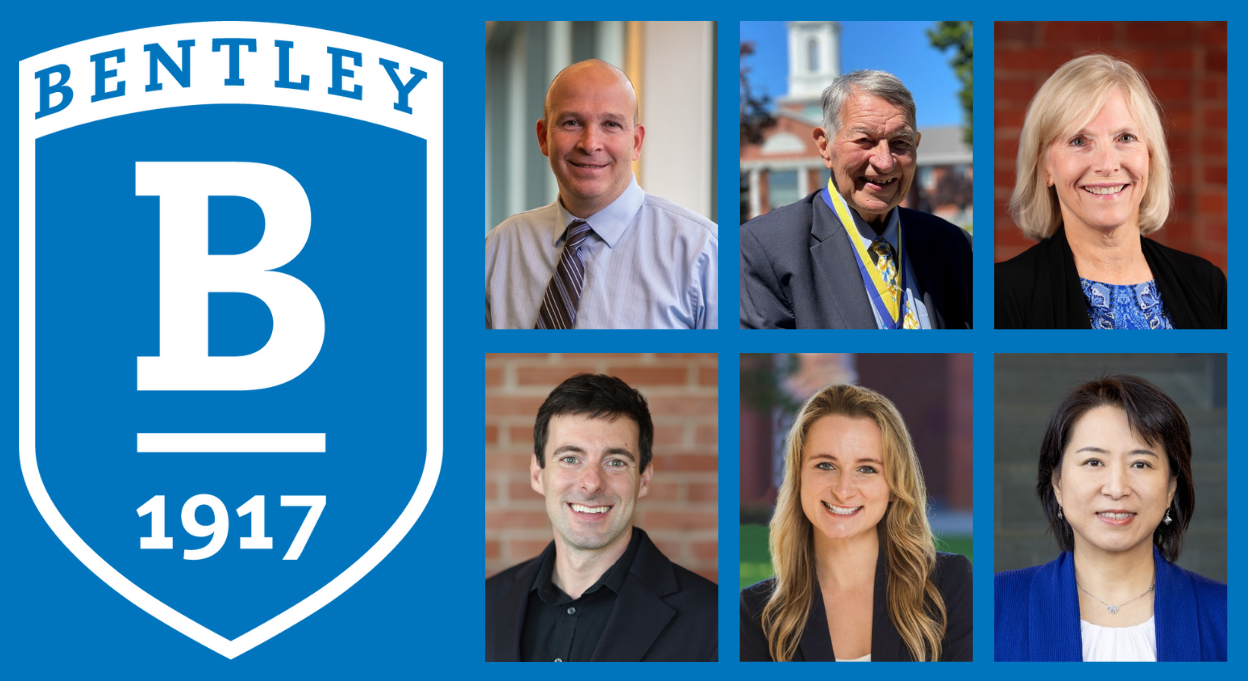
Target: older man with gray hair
[{"x": 848, "y": 256}]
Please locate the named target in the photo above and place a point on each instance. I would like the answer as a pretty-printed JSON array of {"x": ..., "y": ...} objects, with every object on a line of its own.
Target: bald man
[{"x": 605, "y": 254}]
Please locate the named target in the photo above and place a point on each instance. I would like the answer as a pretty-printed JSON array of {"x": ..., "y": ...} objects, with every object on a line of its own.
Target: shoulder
[
  {"x": 1012, "y": 586},
  {"x": 1209, "y": 592},
  {"x": 685, "y": 220},
  {"x": 1014, "y": 281},
  {"x": 1187, "y": 263},
  {"x": 671, "y": 582},
  {"x": 527, "y": 219},
  {"x": 499, "y": 585},
  {"x": 1210, "y": 610},
  {"x": 522, "y": 228},
  {"x": 953, "y": 580},
  {"x": 695, "y": 587},
  {"x": 784, "y": 222},
  {"x": 1023, "y": 265},
  {"x": 1211, "y": 603},
  {"x": 931, "y": 236},
  {"x": 755, "y": 597},
  {"x": 934, "y": 225},
  {"x": 952, "y": 570}
]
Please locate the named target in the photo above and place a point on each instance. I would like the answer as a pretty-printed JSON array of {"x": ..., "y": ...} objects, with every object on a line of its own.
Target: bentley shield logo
[{"x": 230, "y": 314}]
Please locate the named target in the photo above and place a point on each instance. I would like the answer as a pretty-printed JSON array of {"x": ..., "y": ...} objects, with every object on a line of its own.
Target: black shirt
[
  {"x": 1039, "y": 288},
  {"x": 560, "y": 629}
]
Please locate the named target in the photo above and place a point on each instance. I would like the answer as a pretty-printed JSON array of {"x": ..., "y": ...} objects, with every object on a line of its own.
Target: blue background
[
  {"x": 364, "y": 251},
  {"x": 420, "y": 611}
]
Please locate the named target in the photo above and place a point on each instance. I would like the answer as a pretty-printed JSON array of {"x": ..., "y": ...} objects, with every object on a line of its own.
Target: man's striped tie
[{"x": 563, "y": 293}]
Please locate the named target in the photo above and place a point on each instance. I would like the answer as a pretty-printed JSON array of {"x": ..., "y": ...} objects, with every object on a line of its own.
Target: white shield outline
[{"x": 424, "y": 122}]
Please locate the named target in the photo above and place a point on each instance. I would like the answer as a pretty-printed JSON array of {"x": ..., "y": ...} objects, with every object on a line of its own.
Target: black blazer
[
  {"x": 1039, "y": 288},
  {"x": 798, "y": 271},
  {"x": 664, "y": 613},
  {"x": 952, "y": 578}
]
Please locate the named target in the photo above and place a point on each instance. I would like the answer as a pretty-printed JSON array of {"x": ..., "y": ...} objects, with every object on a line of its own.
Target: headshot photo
[
  {"x": 856, "y": 175},
  {"x": 601, "y": 522},
  {"x": 1111, "y": 509},
  {"x": 856, "y": 513},
  {"x": 600, "y": 175},
  {"x": 1111, "y": 175}
]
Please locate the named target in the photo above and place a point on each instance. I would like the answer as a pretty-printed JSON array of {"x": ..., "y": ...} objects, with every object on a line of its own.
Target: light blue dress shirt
[
  {"x": 649, "y": 264},
  {"x": 914, "y": 296}
]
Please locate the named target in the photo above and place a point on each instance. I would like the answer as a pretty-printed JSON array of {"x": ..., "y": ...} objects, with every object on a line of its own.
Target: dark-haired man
[{"x": 601, "y": 591}]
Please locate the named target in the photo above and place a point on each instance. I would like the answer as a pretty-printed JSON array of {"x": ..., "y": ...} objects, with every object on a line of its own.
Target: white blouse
[
  {"x": 864, "y": 658},
  {"x": 1119, "y": 644}
]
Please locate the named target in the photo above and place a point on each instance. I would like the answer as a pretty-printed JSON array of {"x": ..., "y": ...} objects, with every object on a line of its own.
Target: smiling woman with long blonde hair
[{"x": 857, "y": 574}]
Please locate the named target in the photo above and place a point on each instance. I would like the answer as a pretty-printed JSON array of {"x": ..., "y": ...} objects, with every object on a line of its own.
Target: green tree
[{"x": 957, "y": 35}]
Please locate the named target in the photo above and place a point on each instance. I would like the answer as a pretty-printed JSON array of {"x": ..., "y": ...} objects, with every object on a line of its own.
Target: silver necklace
[{"x": 1113, "y": 609}]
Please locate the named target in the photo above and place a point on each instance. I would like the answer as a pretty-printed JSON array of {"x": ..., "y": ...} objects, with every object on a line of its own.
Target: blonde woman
[
  {"x": 858, "y": 577},
  {"x": 1093, "y": 180}
]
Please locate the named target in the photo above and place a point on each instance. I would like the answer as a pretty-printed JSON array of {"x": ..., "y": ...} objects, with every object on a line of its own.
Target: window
[
  {"x": 782, "y": 188},
  {"x": 812, "y": 55}
]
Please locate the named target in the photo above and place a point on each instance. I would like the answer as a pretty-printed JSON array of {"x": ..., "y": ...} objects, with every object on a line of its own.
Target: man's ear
[
  {"x": 535, "y": 475},
  {"x": 918, "y": 137},
  {"x": 541, "y": 136},
  {"x": 639, "y": 136},
  {"x": 825, "y": 146},
  {"x": 644, "y": 489}
]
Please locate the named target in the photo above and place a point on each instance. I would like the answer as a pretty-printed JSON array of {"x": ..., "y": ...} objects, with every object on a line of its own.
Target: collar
[
  {"x": 612, "y": 579},
  {"x": 1058, "y": 301},
  {"x": 868, "y": 235},
  {"x": 865, "y": 232},
  {"x": 1055, "y": 611},
  {"x": 611, "y": 222}
]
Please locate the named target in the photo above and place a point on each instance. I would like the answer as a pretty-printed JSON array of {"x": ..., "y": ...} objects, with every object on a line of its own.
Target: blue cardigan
[{"x": 1037, "y": 614}]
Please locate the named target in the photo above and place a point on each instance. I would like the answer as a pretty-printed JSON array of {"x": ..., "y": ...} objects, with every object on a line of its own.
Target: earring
[
  {"x": 1059, "y": 513},
  {"x": 1167, "y": 519}
]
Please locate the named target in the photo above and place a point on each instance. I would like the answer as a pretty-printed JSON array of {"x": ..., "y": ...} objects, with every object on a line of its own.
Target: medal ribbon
[{"x": 871, "y": 277}]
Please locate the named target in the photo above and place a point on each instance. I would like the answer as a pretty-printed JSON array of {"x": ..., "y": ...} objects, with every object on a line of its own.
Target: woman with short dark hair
[{"x": 1115, "y": 481}]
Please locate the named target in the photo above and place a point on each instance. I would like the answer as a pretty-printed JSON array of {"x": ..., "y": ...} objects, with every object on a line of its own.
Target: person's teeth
[
  {"x": 1116, "y": 516},
  {"x": 1105, "y": 190},
  {"x": 840, "y": 510},
  {"x": 590, "y": 509}
]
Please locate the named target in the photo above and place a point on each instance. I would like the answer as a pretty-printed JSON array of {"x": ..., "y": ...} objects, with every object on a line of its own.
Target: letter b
[{"x": 188, "y": 274}]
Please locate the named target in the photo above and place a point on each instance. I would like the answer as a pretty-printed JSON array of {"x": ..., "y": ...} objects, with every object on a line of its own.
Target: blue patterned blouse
[{"x": 1126, "y": 306}]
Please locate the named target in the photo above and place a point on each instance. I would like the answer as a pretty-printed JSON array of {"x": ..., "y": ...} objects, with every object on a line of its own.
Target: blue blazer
[{"x": 1037, "y": 614}]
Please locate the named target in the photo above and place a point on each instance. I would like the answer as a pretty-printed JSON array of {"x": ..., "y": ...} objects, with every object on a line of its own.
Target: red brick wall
[
  {"x": 680, "y": 513},
  {"x": 1184, "y": 62}
]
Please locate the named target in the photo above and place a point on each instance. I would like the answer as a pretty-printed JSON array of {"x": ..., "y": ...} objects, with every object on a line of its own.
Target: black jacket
[
  {"x": 952, "y": 578},
  {"x": 798, "y": 270},
  {"x": 1039, "y": 289},
  {"x": 664, "y": 613}
]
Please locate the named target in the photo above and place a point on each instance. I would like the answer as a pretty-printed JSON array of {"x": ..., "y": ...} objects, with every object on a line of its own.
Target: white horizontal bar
[{"x": 232, "y": 442}]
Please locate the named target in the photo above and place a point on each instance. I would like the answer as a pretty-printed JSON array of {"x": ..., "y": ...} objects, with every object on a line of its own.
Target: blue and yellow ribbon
[{"x": 888, "y": 306}]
